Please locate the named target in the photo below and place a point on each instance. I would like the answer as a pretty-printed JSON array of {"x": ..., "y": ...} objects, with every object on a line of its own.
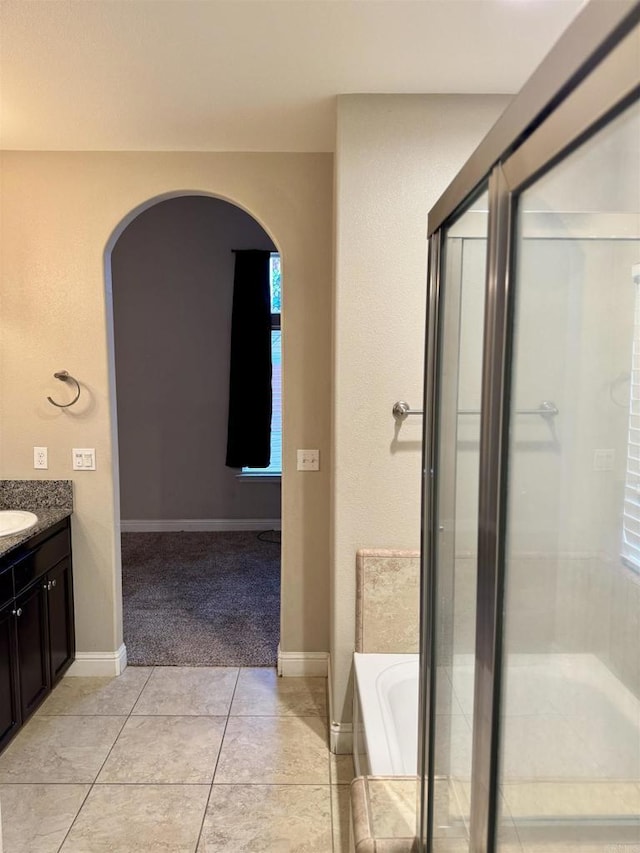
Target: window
[
  {"x": 275, "y": 466},
  {"x": 631, "y": 518}
]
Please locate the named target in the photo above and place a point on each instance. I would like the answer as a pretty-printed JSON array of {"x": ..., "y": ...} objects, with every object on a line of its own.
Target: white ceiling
[{"x": 246, "y": 75}]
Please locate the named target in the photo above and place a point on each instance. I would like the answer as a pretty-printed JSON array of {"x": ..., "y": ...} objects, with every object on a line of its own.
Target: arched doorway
[{"x": 199, "y": 587}]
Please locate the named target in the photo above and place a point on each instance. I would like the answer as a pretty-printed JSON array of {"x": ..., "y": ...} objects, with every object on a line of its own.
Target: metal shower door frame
[{"x": 602, "y": 70}]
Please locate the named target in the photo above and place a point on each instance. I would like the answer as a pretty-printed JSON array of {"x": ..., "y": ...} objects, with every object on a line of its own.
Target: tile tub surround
[
  {"x": 383, "y": 810},
  {"x": 239, "y": 764},
  {"x": 387, "y": 601},
  {"x": 50, "y": 500}
]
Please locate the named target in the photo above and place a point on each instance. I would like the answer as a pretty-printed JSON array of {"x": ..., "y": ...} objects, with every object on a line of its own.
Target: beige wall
[
  {"x": 394, "y": 156},
  {"x": 172, "y": 278},
  {"x": 58, "y": 213}
]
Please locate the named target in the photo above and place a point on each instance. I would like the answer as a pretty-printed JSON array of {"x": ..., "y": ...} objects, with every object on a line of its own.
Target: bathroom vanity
[{"x": 37, "y": 640}]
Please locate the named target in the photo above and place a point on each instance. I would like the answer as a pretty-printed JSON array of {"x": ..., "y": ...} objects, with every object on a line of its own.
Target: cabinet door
[
  {"x": 61, "y": 629},
  {"x": 9, "y": 705},
  {"x": 33, "y": 646}
]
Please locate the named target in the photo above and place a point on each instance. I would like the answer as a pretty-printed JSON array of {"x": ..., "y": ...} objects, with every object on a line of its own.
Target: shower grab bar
[{"x": 546, "y": 409}]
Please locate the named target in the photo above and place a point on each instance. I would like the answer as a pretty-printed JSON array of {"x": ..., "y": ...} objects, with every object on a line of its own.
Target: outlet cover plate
[
  {"x": 603, "y": 460},
  {"x": 40, "y": 457}
]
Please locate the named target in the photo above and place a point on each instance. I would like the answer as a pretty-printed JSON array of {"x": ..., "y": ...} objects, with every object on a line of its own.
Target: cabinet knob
[
  {"x": 54, "y": 582},
  {"x": 17, "y": 612}
]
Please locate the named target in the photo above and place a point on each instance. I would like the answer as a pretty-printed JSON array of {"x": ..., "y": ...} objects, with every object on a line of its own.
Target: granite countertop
[{"x": 50, "y": 500}]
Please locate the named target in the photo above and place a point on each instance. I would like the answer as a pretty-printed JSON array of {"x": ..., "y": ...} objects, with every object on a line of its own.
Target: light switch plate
[
  {"x": 84, "y": 458},
  {"x": 308, "y": 460}
]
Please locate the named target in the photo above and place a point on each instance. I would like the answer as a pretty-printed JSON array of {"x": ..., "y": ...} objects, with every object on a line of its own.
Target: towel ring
[{"x": 64, "y": 376}]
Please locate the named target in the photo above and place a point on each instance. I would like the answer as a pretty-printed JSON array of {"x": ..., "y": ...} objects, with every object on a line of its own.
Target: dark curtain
[{"x": 249, "y": 430}]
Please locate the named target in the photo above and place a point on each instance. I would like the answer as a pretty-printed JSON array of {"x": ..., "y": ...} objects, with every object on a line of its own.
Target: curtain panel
[{"x": 249, "y": 426}]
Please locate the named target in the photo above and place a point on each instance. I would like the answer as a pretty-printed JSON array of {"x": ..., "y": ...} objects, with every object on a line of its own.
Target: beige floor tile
[
  {"x": 36, "y": 818},
  {"x": 267, "y": 819},
  {"x": 184, "y": 690},
  {"x": 342, "y": 771},
  {"x": 274, "y": 750},
  {"x": 136, "y": 818},
  {"x": 261, "y": 693},
  {"x": 103, "y": 696},
  {"x": 341, "y": 817},
  {"x": 178, "y": 750},
  {"x": 60, "y": 749}
]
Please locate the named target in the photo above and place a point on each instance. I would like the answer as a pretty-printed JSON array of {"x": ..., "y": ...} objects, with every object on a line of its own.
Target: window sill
[{"x": 253, "y": 477}]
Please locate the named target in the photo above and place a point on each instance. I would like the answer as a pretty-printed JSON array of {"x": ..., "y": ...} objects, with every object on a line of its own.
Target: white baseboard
[
  {"x": 99, "y": 663},
  {"x": 298, "y": 664},
  {"x": 341, "y": 738},
  {"x": 193, "y": 525}
]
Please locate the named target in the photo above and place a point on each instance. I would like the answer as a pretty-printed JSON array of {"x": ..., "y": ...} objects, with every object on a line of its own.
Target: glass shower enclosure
[{"x": 530, "y": 640}]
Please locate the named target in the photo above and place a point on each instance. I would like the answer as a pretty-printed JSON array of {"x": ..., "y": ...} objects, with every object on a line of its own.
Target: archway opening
[{"x": 200, "y": 541}]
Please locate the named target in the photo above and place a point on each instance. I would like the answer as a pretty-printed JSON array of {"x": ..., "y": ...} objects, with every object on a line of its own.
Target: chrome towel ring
[{"x": 64, "y": 376}]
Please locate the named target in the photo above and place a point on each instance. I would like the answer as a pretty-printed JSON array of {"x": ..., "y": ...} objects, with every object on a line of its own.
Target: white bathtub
[{"x": 385, "y": 715}]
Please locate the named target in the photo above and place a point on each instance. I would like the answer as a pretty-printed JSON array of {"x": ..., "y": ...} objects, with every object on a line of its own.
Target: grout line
[
  {"x": 92, "y": 784},
  {"x": 126, "y": 717},
  {"x": 235, "y": 784},
  {"x": 86, "y": 797},
  {"x": 206, "y": 807},
  {"x": 331, "y": 810},
  {"x": 148, "y": 679},
  {"x": 335, "y": 818}
]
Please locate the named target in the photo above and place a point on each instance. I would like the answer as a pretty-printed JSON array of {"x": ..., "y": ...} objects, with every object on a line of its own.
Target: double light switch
[{"x": 84, "y": 458}]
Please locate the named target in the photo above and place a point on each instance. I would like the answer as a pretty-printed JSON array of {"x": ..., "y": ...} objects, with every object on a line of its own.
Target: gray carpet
[{"x": 200, "y": 599}]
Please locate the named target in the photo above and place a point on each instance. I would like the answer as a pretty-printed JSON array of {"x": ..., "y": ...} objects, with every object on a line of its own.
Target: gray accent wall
[{"x": 172, "y": 278}]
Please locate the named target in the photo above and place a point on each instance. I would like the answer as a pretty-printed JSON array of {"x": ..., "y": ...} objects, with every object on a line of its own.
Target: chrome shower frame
[{"x": 590, "y": 76}]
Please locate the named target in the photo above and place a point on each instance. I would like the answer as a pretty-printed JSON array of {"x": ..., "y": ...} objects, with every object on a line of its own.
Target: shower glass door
[
  {"x": 569, "y": 745},
  {"x": 454, "y": 524}
]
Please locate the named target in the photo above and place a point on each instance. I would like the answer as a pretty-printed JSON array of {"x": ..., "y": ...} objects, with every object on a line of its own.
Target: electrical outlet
[
  {"x": 40, "y": 457},
  {"x": 603, "y": 460},
  {"x": 308, "y": 460},
  {"x": 84, "y": 458}
]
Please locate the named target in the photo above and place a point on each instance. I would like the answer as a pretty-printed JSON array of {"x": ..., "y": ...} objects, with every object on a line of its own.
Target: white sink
[{"x": 15, "y": 521}]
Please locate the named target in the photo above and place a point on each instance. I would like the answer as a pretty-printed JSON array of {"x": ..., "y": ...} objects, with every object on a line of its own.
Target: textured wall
[
  {"x": 394, "y": 157},
  {"x": 172, "y": 275},
  {"x": 59, "y": 212}
]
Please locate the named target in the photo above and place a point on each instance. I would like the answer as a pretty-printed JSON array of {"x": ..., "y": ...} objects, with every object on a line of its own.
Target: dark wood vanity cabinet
[
  {"x": 37, "y": 641},
  {"x": 61, "y": 629},
  {"x": 33, "y": 665},
  {"x": 9, "y": 701}
]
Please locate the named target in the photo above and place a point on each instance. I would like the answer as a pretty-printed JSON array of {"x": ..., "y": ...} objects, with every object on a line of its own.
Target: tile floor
[{"x": 211, "y": 759}]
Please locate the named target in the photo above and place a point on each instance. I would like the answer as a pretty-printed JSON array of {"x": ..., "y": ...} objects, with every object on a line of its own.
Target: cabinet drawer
[
  {"x": 6, "y": 586},
  {"x": 48, "y": 555}
]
